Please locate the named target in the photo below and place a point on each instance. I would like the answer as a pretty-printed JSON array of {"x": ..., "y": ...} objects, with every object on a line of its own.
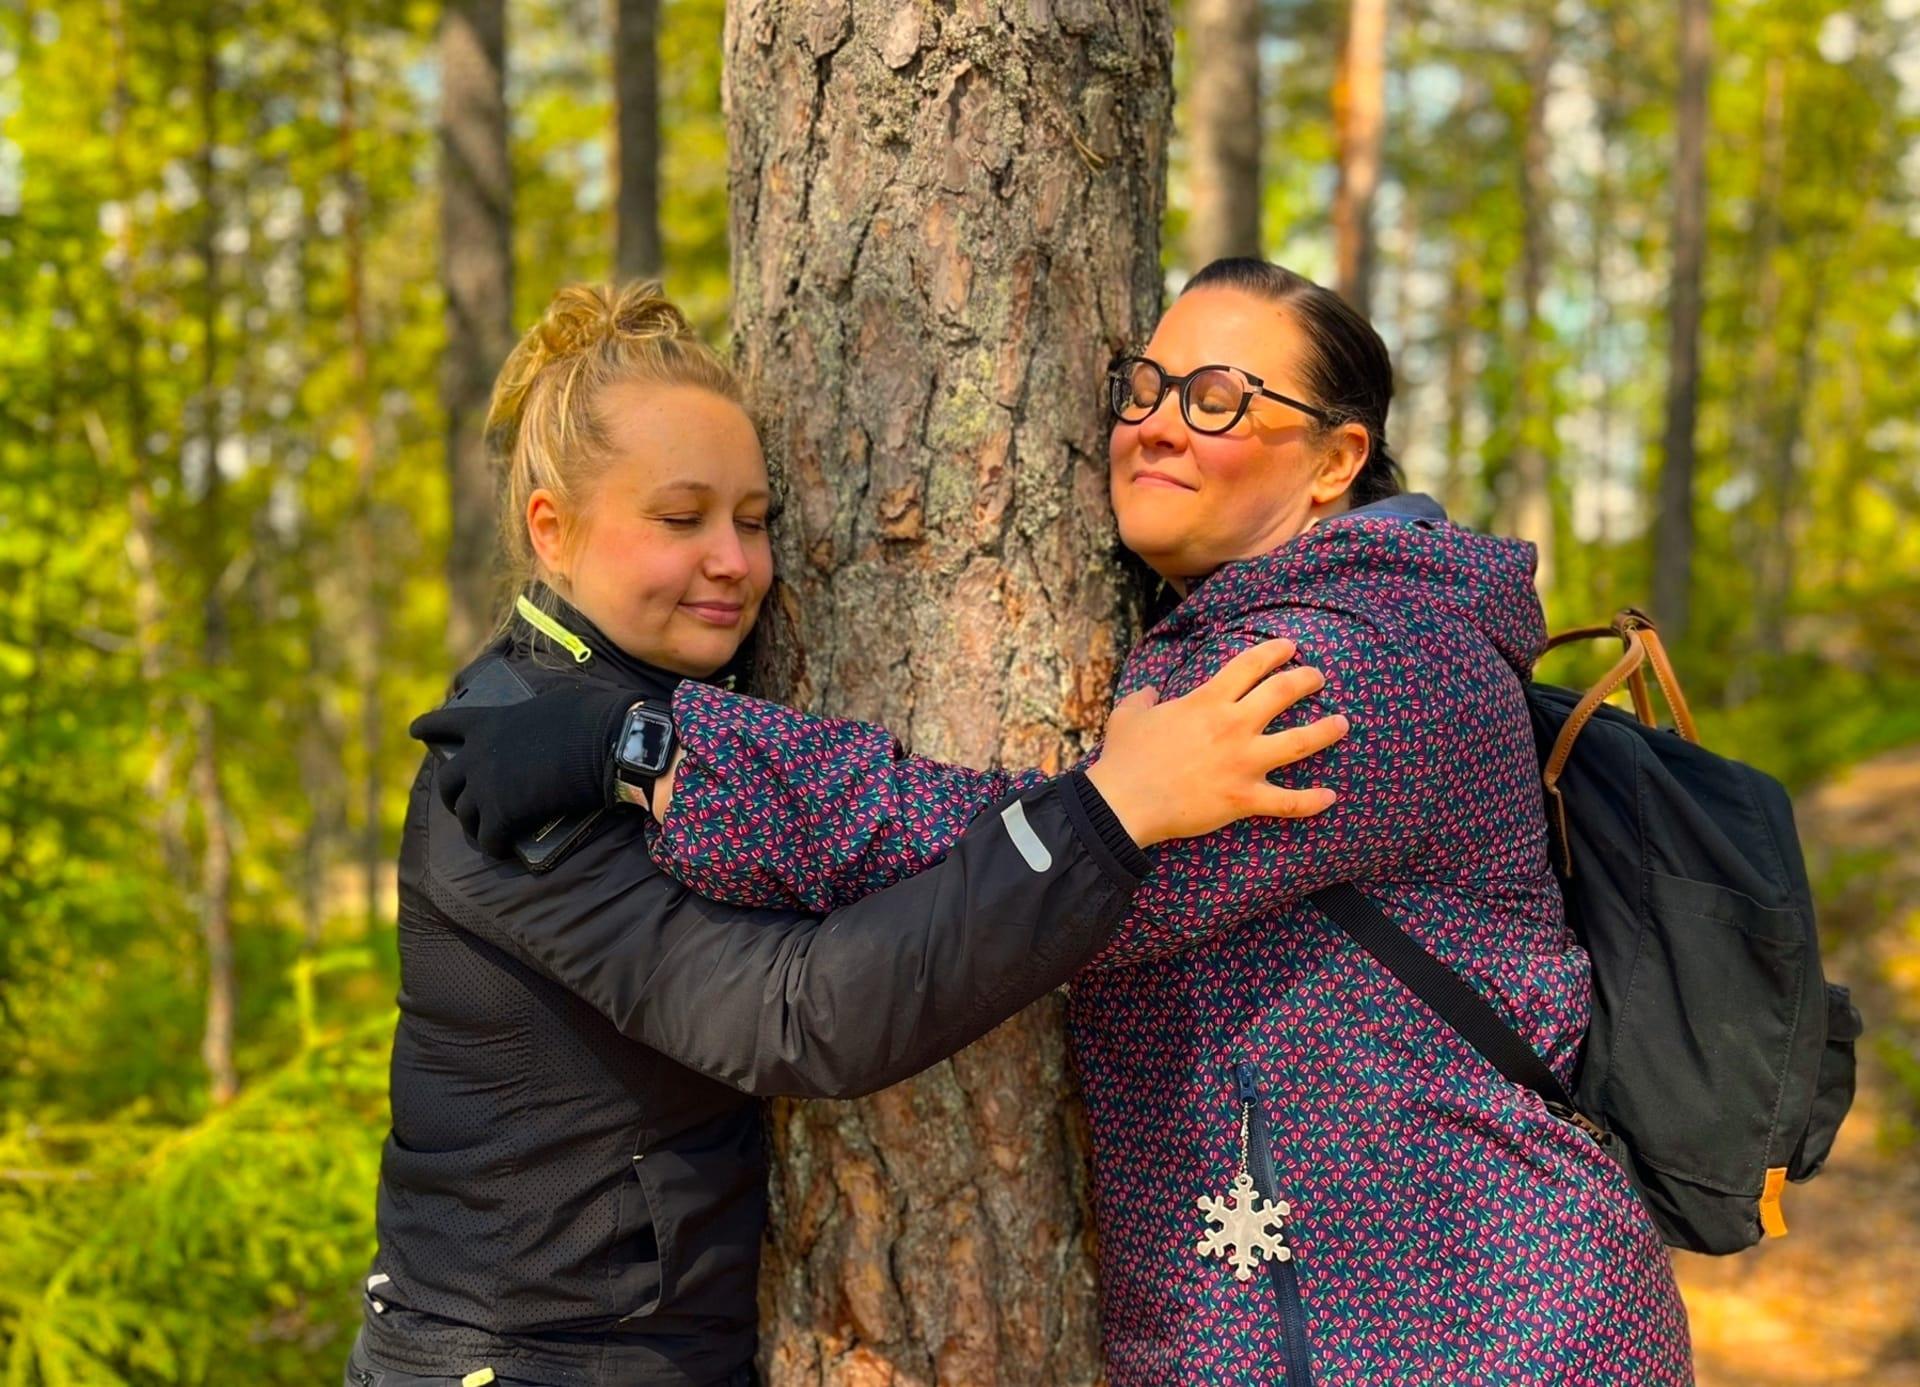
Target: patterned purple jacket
[{"x": 1443, "y": 1227}]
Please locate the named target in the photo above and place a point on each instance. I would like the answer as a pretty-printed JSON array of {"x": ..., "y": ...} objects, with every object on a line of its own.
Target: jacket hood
[{"x": 1401, "y": 553}]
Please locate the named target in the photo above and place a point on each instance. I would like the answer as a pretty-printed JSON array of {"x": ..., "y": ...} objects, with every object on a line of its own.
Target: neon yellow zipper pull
[{"x": 552, "y": 630}]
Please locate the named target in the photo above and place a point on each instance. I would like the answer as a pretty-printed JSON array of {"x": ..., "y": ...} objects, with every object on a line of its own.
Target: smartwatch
[{"x": 641, "y": 753}]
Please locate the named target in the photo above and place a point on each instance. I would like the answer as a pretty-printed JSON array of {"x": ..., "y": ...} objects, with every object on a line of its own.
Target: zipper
[
  {"x": 553, "y": 630},
  {"x": 1284, "y": 1274}
]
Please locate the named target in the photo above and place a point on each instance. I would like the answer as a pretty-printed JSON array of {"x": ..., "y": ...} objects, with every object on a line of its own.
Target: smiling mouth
[
  {"x": 1160, "y": 479},
  {"x": 716, "y": 613}
]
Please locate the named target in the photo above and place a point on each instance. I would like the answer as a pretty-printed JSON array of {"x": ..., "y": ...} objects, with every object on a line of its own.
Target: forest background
[{"x": 1649, "y": 273}]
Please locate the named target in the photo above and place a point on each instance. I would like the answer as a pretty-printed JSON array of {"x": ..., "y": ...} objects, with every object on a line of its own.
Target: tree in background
[
  {"x": 1673, "y": 533},
  {"x": 636, "y": 101},
  {"x": 476, "y": 257},
  {"x": 202, "y": 472},
  {"x": 1223, "y": 154},
  {"x": 1527, "y": 506},
  {"x": 935, "y": 254},
  {"x": 1359, "y": 120}
]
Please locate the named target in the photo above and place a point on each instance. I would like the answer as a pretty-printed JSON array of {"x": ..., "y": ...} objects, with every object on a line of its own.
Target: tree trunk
[
  {"x": 1359, "y": 115},
  {"x": 216, "y": 849},
  {"x": 476, "y": 264},
  {"x": 1462, "y": 276},
  {"x": 1673, "y": 526},
  {"x": 368, "y": 638},
  {"x": 1530, "y": 481},
  {"x": 1608, "y": 104},
  {"x": 1223, "y": 175},
  {"x": 942, "y": 225},
  {"x": 636, "y": 99}
]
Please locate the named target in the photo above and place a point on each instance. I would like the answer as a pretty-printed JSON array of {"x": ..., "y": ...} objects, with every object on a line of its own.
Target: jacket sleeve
[
  {"x": 779, "y": 1003},
  {"x": 772, "y": 806},
  {"x": 776, "y": 805}
]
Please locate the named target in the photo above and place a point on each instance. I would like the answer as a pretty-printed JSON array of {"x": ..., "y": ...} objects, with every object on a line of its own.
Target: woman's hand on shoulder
[{"x": 1193, "y": 764}]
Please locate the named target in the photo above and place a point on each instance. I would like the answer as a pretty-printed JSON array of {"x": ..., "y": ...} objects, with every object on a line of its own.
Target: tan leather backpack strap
[
  {"x": 1669, "y": 685},
  {"x": 1642, "y": 697},
  {"x": 1625, "y": 668},
  {"x": 1581, "y": 633}
]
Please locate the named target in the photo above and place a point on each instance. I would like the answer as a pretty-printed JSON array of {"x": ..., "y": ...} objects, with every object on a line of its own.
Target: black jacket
[{"x": 574, "y": 1187}]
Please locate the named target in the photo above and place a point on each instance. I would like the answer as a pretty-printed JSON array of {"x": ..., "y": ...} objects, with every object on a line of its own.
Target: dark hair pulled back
[{"x": 1347, "y": 371}]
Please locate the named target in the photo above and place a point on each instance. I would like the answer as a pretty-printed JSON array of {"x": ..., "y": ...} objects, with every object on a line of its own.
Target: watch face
[{"x": 647, "y": 741}]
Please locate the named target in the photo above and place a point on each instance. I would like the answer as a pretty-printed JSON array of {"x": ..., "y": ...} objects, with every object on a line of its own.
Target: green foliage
[{"x": 212, "y": 516}]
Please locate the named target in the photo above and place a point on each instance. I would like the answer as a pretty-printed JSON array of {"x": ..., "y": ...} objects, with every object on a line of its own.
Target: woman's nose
[
  {"x": 1165, "y": 427},
  {"x": 727, "y": 556}
]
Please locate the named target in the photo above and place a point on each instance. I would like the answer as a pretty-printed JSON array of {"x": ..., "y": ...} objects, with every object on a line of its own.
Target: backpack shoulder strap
[{"x": 1450, "y": 995}]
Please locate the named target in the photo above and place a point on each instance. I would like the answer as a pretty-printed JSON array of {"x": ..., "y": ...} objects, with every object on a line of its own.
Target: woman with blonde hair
[{"x": 573, "y": 1191}]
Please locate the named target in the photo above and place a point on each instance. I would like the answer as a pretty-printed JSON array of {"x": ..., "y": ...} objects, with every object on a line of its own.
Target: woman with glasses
[{"x": 1302, "y": 1174}]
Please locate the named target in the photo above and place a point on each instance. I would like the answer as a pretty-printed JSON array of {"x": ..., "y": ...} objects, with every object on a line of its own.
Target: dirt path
[{"x": 1838, "y": 1300}]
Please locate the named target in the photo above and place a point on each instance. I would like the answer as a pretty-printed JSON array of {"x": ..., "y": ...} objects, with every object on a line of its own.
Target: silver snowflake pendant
[{"x": 1248, "y": 1225}]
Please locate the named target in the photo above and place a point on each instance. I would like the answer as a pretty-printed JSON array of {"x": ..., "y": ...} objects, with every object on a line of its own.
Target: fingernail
[{"x": 1341, "y": 719}]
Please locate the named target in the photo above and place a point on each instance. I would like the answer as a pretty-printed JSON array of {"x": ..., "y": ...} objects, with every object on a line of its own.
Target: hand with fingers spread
[{"x": 1193, "y": 764}]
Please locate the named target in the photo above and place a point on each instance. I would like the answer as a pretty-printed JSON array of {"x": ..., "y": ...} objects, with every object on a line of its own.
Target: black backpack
[{"x": 1720, "y": 1061}]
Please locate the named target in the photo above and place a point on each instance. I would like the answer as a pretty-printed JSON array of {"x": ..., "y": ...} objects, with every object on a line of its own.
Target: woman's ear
[
  {"x": 1346, "y": 453},
  {"x": 547, "y": 531}
]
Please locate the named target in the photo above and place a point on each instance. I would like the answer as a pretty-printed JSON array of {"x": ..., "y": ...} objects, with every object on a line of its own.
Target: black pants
[{"x": 362, "y": 1372}]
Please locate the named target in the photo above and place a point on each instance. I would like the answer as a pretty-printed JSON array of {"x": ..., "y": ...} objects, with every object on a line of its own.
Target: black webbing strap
[{"x": 1450, "y": 995}]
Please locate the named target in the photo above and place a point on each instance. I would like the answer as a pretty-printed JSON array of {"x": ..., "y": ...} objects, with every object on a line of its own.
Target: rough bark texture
[
  {"x": 945, "y": 219},
  {"x": 1673, "y": 523},
  {"x": 636, "y": 100},
  {"x": 476, "y": 266},
  {"x": 1224, "y": 130},
  {"x": 1359, "y": 117}
]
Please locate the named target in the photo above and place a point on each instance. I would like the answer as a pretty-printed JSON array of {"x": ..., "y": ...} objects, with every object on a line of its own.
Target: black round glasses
[{"x": 1212, "y": 398}]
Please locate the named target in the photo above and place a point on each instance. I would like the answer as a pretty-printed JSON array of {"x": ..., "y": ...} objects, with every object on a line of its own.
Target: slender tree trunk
[
  {"x": 368, "y": 638},
  {"x": 1607, "y": 118},
  {"x": 143, "y": 532},
  {"x": 1764, "y": 442},
  {"x": 1224, "y": 148},
  {"x": 636, "y": 99},
  {"x": 476, "y": 260},
  {"x": 1459, "y": 323},
  {"x": 1673, "y": 524},
  {"x": 1359, "y": 116},
  {"x": 216, "y": 850},
  {"x": 1530, "y": 482},
  {"x": 924, "y": 319}
]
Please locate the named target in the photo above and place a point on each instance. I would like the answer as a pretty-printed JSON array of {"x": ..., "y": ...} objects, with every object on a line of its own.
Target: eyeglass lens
[{"x": 1210, "y": 401}]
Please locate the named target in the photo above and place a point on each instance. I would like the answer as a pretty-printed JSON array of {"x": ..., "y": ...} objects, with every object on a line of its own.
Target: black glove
[{"x": 518, "y": 766}]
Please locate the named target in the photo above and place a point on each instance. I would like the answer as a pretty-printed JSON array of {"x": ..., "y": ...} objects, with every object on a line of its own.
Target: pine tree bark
[
  {"x": 636, "y": 99},
  {"x": 476, "y": 266},
  {"x": 1223, "y": 176},
  {"x": 943, "y": 223},
  {"x": 1359, "y": 117},
  {"x": 1673, "y": 522}
]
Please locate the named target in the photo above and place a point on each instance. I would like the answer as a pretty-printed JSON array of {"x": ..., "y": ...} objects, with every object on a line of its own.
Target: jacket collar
[{"x": 545, "y": 623}]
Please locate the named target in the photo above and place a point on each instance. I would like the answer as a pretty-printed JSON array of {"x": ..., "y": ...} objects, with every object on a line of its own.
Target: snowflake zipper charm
[{"x": 1252, "y": 1228}]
